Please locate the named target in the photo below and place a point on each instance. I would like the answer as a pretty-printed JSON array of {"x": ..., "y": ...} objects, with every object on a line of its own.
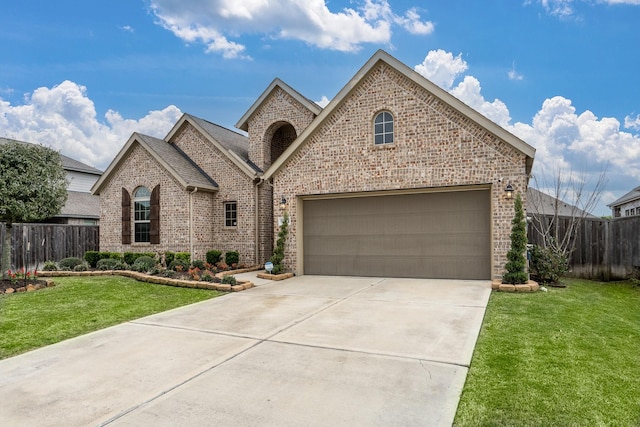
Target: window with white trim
[
  {"x": 141, "y": 214},
  {"x": 230, "y": 214},
  {"x": 383, "y": 128}
]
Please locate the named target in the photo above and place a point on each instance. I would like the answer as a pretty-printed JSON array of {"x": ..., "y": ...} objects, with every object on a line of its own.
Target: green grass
[
  {"x": 567, "y": 357},
  {"x": 80, "y": 305}
]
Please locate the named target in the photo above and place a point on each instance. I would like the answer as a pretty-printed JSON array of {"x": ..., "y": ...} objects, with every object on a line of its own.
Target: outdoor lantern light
[
  {"x": 509, "y": 190},
  {"x": 283, "y": 203}
]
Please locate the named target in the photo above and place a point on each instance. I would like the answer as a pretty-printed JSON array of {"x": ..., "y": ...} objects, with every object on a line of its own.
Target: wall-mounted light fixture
[
  {"x": 283, "y": 203},
  {"x": 509, "y": 191}
]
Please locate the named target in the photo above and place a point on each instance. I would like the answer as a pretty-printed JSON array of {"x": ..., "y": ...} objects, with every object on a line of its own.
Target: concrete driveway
[{"x": 308, "y": 351}]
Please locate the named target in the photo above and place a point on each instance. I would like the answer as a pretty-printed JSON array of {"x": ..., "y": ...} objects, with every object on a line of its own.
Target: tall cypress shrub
[
  {"x": 278, "y": 252},
  {"x": 516, "y": 257}
]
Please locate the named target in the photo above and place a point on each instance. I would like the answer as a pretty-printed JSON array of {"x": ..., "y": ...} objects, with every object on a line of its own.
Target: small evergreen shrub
[
  {"x": 184, "y": 256},
  {"x": 80, "y": 267},
  {"x": 144, "y": 264},
  {"x": 92, "y": 258},
  {"x": 108, "y": 264},
  {"x": 207, "y": 276},
  {"x": 131, "y": 257},
  {"x": 50, "y": 266},
  {"x": 198, "y": 263},
  {"x": 213, "y": 256},
  {"x": 229, "y": 280},
  {"x": 547, "y": 265},
  {"x": 179, "y": 265},
  {"x": 70, "y": 263},
  {"x": 232, "y": 257},
  {"x": 169, "y": 257},
  {"x": 278, "y": 251}
]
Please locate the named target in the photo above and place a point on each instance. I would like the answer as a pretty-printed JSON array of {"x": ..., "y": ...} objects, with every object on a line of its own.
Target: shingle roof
[
  {"x": 631, "y": 195},
  {"x": 81, "y": 205},
  {"x": 67, "y": 162},
  {"x": 231, "y": 140},
  {"x": 542, "y": 203},
  {"x": 177, "y": 162}
]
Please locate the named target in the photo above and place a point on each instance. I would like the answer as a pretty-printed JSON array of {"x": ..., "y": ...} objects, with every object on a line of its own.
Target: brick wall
[{"x": 434, "y": 146}]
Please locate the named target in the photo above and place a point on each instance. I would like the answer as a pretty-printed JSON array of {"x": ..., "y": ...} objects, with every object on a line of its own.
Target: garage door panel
[{"x": 439, "y": 235}]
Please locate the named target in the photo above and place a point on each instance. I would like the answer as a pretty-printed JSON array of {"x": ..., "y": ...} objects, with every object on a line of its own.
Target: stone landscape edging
[
  {"x": 240, "y": 286},
  {"x": 270, "y": 276},
  {"x": 530, "y": 286},
  {"x": 30, "y": 287}
]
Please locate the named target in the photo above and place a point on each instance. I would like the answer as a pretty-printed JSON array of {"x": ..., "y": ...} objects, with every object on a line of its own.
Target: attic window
[{"x": 383, "y": 128}]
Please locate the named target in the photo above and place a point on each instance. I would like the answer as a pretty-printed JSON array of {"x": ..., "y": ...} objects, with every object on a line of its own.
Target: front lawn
[
  {"x": 78, "y": 305},
  {"x": 567, "y": 357}
]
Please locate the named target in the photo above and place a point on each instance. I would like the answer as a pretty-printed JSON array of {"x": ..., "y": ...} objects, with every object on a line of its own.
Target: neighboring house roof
[
  {"x": 232, "y": 144},
  {"x": 177, "y": 163},
  {"x": 243, "y": 123},
  {"x": 629, "y": 197},
  {"x": 67, "y": 162},
  {"x": 542, "y": 203},
  {"x": 81, "y": 205},
  {"x": 438, "y": 92}
]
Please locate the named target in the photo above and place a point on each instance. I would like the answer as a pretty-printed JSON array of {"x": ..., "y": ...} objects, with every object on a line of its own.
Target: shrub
[
  {"x": 144, "y": 264},
  {"x": 278, "y": 252},
  {"x": 112, "y": 255},
  {"x": 229, "y": 280},
  {"x": 109, "y": 264},
  {"x": 50, "y": 266},
  {"x": 517, "y": 263},
  {"x": 168, "y": 273},
  {"x": 547, "y": 265},
  {"x": 184, "y": 256},
  {"x": 70, "y": 263},
  {"x": 92, "y": 257},
  {"x": 169, "y": 257},
  {"x": 232, "y": 257},
  {"x": 194, "y": 273},
  {"x": 198, "y": 264},
  {"x": 178, "y": 265},
  {"x": 131, "y": 257},
  {"x": 80, "y": 267},
  {"x": 213, "y": 256},
  {"x": 207, "y": 276}
]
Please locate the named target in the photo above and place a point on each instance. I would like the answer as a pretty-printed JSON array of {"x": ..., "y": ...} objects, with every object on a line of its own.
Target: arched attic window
[
  {"x": 282, "y": 138},
  {"x": 383, "y": 128}
]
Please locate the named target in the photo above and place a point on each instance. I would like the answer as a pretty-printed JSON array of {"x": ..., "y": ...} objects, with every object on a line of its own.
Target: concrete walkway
[{"x": 308, "y": 351}]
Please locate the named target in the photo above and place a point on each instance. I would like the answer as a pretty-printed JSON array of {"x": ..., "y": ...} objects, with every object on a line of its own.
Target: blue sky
[{"x": 81, "y": 76}]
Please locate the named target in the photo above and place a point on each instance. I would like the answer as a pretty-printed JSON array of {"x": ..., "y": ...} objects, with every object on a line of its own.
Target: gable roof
[
  {"x": 243, "y": 123},
  {"x": 542, "y": 203},
  {"x": 441, "y": 94},
  {"x": 67, "y": 162},
  {"x": 181, "y": 167},
  {"x": 232, "y": 144},
  {"x": 629, "y": 197}
]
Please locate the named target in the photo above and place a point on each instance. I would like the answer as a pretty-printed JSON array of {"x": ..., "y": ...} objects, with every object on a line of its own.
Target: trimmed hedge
[
  {"x": 232, "y": 257},
  {"x": 131, "y": 257},
  {"x": 213, "y": 256}
]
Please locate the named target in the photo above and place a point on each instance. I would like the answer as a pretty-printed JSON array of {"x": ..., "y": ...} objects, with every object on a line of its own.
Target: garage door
[{"x": 432, "y": 235}]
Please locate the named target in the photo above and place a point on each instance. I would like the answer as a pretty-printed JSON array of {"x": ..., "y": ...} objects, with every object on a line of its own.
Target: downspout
[
  {"x": 195, "y": 190},
  {"x": 257, "y": 182}
]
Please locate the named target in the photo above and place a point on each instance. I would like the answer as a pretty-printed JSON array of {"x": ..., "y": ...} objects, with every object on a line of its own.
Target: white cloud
[
  {"x": 513, "y": 74},
  {"x": 632, "y": 122},
  {"x": 566, "y": 142},
  {"x": 64, "y": 118},
  {"x": 442, "y": 68},
  {"x": 564, "y": 9},
  {"x": 216, "y": 21},
  {"x": 323, "y": 102},
  {"x": 128, "y": 28}
]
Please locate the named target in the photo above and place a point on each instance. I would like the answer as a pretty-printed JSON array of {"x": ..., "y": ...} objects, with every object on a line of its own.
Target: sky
[{"x": 81, "y": 76}]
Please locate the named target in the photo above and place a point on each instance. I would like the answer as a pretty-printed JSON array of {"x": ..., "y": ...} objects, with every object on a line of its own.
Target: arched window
[
  {"x": 383, "y": 128},
  {"x": 142, "y": 214}
]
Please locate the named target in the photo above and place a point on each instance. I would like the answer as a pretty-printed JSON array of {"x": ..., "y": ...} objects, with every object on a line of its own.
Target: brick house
[{"x": 394, "y": 177}]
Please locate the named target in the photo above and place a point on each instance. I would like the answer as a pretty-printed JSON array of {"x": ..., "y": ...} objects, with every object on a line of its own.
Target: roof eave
[
  {"x": 440, "y": 93},
  {"x": 243, "y": 123}
]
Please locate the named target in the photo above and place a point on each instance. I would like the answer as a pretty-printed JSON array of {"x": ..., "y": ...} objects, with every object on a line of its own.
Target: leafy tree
[
  {"x": 33, "y": 187},
  {"x": 517, "y": 262}
]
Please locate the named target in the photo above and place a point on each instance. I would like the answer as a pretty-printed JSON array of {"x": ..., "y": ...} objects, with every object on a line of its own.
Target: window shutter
[
  {"x": 126, "y": 217},
  {"x": 154, "y": 216}
]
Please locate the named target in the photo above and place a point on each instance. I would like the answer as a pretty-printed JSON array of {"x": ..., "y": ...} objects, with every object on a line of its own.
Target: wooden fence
[
  {"x": 605, "y": 249},
  {"x": 33, "y": 244}
]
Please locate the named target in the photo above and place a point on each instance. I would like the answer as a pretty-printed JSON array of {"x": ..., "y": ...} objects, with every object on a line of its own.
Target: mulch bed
[{"x": 6, "y": 284}]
